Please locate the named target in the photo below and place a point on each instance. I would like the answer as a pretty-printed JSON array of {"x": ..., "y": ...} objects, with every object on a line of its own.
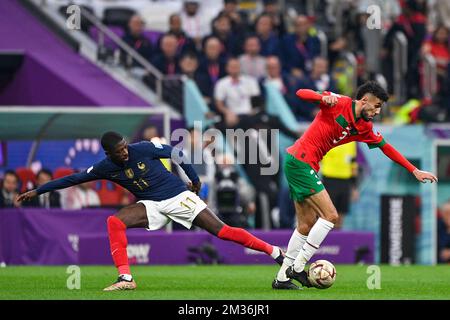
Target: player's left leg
[
  {"x": 132, "y": 216},
  {"x": 306, "y": 218},
  {"x": 323, "y": 206},
  {"x": 208, "y": 221}
]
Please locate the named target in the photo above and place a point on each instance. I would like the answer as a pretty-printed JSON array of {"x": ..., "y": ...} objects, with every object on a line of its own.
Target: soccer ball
[{"x": 322, "y": 274}]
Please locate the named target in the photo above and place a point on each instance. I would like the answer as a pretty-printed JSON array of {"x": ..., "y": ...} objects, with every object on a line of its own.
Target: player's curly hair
[
  {"x": 374, "y": 88},
  {"x": 110, "y": 139}
]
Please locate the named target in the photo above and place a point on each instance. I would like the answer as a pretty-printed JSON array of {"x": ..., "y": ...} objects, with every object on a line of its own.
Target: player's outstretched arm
[
  {"x": 313, "y": 96},
  {"x": 27, "y": 196},
  {"x": 57, "y": 184},
  {"x": 394, "y": 155}
]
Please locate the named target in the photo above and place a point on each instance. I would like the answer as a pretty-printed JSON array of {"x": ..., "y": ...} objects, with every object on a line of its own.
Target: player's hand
[
  {"x": 330, "y": 100},
  {"x": 27, "y": 196},
  {"x": 424, "y": 176},
  {"x": 195, "y": 187}
]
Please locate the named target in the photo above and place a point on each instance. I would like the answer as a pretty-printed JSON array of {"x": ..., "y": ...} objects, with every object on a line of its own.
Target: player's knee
[
  {"x": 114, "y": 223},
  {"x": 332, "y": 216},
  {"x": 303, "y": 228}
]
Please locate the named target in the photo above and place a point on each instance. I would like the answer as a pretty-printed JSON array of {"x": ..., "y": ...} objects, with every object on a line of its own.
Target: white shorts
[{"x": 182, "y": 209}]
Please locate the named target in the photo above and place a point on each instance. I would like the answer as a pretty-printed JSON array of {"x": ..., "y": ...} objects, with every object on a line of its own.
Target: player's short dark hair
[
  {"x": 374, "y": 88},
  {"x": 44, "y": 171},
  {"x": 110, "y": 139}
]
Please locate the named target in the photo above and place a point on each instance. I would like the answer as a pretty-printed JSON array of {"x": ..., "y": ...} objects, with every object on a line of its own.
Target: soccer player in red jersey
[{"x": 339, "y": 121}]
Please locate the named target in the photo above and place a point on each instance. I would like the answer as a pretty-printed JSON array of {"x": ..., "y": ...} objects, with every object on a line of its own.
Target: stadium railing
[
  {"x": 429, "y": 76},
  {"x": 167, "y": 88},
  {"x": 400, "y": 57}
]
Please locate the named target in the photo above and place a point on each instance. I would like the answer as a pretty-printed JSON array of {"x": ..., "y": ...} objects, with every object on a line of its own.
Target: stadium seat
[
  {"x": 117, "y": 16},
  {"x": 62, "y": 172},
  {"x": 27, "y": 178}
]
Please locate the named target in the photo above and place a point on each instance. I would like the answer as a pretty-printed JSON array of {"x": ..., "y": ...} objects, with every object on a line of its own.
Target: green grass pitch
[{"x": 220, "y": 282}]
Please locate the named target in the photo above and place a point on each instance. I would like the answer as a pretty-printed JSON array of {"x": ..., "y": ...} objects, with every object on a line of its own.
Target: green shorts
[{"x": 302, "y": 178}]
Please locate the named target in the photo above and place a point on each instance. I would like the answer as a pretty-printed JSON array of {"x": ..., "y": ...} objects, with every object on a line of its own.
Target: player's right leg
[
  {"x": 132, "y": 216},
  {"x": 322, "y": 205},
  {"x": 208, "y": 221},
  {"x": 312, "y": 201},
  {"x": 306, "y": 217}
]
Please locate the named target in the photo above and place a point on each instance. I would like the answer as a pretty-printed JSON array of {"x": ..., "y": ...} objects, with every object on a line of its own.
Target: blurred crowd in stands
[
  {"x": 87, "y": 195},
  {"x": 277, "y": 47}
]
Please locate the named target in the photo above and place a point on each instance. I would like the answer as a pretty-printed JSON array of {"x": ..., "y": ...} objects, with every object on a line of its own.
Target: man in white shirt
[
  {"x": 233, "y": 93},
  {"x": 195, "y": 22},
  {"x": 82, "y": 196},
  {"x": 238, "y": 98}
]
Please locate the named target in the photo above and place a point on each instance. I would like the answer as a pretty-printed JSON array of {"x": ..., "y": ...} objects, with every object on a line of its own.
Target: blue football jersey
[{"x": 143, "y": 174}]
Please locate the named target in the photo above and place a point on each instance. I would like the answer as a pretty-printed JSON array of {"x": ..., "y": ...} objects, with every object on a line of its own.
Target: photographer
[{"x": 234, "y": 196}]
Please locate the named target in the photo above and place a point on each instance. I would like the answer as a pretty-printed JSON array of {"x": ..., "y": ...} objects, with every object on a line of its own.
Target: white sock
[
  {"x": 295, "y": 244},
  {"x": 276, "y": 251},
  {"x": 317, "y": 234},
  {"x": 127, "y": 277}
]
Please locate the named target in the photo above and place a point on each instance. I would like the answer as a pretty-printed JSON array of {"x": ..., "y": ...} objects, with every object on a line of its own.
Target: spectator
[
  {"x": 238, "y": 98},
  {"x": 82, "y": 196},
  {"x": 135, "y": 38},
  {"x": 318, "y": 80},
  {"x": 412, "y": 24},
  {"x": 189, "y": 67},
  {"x": 285, "y": 83},
  {"x": 213, "y": 62},
  {"x": 300, "y": 48},
  {"x": 440, "y": 13},
  {"x": 271, "y": 8},
  {"x": 167, "y": 60},
  {"x": 252, "y": 63},
  {"x": 185, "y": 43},
  {"x": 239, "y": 21},
  {"x": 444, "y": 234},
  {"x": 194, "y": 21},
  {"x": 438, "y": 47},
  {"x": 270, "y": 43},
  {"x": 150, "y": 132},
  {"x": 9, "y": 190},
  {"x": 46, "y": 200},
  {"x": 234, "y": 92},
  {"x": 231, "y": 42}
]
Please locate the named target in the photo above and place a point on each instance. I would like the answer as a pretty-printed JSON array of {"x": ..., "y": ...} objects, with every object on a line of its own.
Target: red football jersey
[{"x": 332, "y": 127}]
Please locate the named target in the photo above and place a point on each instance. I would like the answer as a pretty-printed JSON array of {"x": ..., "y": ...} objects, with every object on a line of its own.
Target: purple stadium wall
[{"x": 57, "y": 237}]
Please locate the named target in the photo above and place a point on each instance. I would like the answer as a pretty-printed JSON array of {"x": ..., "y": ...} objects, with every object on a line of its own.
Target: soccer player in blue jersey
[{"x": 161, "y": 196}]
